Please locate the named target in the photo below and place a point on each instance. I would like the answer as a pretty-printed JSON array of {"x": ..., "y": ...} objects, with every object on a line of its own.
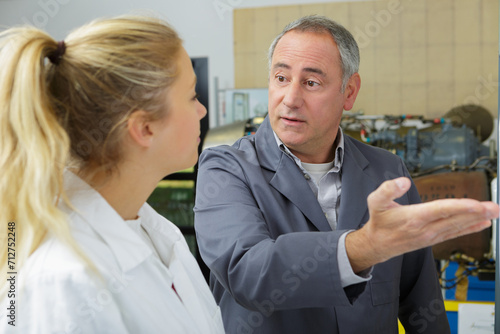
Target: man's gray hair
[{"x": 346, "y": 44}]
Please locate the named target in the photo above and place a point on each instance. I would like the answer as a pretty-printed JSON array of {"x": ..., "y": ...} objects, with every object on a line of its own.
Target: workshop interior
[{"x": 429, "y": 94}]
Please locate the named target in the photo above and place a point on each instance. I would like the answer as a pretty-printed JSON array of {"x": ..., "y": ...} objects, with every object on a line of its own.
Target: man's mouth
[{"x": 291, "y": 119}]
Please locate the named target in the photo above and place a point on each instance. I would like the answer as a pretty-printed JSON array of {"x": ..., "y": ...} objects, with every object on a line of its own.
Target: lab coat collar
[{"x": 127, "y": 247}]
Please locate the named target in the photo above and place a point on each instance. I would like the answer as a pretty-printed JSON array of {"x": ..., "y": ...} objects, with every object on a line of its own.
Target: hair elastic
[{"x": 55, "y": 57}]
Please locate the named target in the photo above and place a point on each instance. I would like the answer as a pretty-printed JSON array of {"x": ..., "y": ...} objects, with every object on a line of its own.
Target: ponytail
[
  {"x": 66, "y": 104},
  {"x": 33, "y": 147}
]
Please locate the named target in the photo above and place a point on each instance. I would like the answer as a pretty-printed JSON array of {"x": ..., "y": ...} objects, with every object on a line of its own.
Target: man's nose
[{"x": 293, "y": 98}]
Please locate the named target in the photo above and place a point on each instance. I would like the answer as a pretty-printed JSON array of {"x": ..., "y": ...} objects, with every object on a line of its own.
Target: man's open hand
[{"x": 395, "y": 229}]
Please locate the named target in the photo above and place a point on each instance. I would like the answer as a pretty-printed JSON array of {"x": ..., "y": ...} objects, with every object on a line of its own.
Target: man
[{"x": 298, "y": 224}]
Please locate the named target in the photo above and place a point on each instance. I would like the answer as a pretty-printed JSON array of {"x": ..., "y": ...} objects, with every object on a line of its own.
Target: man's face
[{"x": 305, "y": 97}]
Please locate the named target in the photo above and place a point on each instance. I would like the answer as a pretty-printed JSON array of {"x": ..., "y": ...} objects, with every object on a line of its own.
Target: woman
[{"x": 89, "y": 126}]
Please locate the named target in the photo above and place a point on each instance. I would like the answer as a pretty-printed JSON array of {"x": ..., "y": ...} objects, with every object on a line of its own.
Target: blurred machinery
[
  {"x": 453, "y": 142},
  {"x": 448, "y": 157}
]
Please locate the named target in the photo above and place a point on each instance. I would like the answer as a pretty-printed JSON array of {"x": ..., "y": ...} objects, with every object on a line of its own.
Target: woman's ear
[{"x": 139, "y": 128}]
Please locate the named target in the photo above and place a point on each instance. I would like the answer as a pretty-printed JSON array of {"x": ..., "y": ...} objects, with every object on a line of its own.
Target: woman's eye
[{"x": 196, "y": 96}]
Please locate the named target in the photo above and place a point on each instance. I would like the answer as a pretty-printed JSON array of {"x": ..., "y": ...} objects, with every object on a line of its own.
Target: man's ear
[
  {"x": 139, "y": 128},
  {"x": 351, "y": 91}
]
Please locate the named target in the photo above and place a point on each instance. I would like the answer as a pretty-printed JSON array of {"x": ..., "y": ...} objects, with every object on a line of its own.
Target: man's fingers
[
  {"x": 382, "y": 198},
  {"x": 492, "y": 208},
  {"x": 452, "y": 232},
  {"x": 410, "y": 227},
  {"x": 446, "y": 219},
  {"x": 454, "y": 227},
  {"x": 470, "y": 228},
  {"x": 459, "y": 207}
]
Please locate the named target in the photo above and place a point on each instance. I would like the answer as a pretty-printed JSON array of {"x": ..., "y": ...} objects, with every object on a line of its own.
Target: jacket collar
[
  {"x": 128, "y": 248},
  {"x": 268, "y": 153},
  {"x": 289, "y": 180}
]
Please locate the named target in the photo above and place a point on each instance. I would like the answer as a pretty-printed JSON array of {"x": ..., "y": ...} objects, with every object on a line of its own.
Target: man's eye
[
  {"x": 311, "y": 83},
  {"x": 280, "y": 78}
]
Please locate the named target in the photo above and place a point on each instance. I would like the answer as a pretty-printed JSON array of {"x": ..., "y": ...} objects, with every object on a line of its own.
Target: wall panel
[{"x": 418, "y": 57}]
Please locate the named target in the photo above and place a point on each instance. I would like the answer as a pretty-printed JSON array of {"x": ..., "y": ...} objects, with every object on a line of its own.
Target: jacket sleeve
[{"x": 293, "y": 270}]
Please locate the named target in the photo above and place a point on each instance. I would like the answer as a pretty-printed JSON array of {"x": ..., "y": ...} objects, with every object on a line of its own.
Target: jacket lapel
[
  {"x": 288, "y": 178},
  {"x": 290, "y": 182},
  {"x": 356, "y": 186}
]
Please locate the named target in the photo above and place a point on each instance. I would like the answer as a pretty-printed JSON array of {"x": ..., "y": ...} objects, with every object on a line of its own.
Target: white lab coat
[{"x": 57, "y": 293}]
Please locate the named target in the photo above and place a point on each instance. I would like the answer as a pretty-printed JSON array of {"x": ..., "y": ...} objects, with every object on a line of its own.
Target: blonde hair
[{"x": 71, "y": 113}]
